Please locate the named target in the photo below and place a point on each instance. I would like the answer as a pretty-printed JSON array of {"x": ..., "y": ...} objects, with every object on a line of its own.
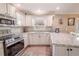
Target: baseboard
[{"x": 37, "y": 45}]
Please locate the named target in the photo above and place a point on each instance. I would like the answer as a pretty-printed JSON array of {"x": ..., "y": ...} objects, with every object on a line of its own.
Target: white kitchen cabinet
[
  {"x": 1, "y": 49},
  {"x": 77, "y": 25},
  {"x": 26, "y": 41},
  {"x": 74, "y": 51},
  {"x": 39, "y": 38},
  {"x": 23, "y": 19},
  {"x": 29, "y": 20},
  {"x": 3, "y": 8},
  {"x": 32, "y": 20},
  {"x": 45, "y": 38},
  {"x": 58, "y": 50},
  {"x": 33, "y": 38},
  {"x": 20, "y": 18},
  {"x": 11, "y": 10}
]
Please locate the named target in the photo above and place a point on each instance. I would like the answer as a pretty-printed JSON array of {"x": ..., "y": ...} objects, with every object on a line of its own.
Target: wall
[
  {"x": 16, "y": 30},
  {"x": 54, "y": 22},
  {"x": 64, "y": 27}
]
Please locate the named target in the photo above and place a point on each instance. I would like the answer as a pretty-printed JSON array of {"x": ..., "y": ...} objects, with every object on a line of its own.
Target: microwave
[{"x": 7, "y": 21}]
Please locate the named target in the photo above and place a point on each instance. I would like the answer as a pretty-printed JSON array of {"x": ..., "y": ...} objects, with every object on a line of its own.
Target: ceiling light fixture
[
  {"x": 39, "y": 12},
  {"x": 18, "y": 5},
  {"x": 77, "y": 38},
  {"x": 57, "y": 8}
]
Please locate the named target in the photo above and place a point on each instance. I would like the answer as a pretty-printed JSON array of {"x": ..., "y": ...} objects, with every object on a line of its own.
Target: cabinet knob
[
  {"x": 67, "y": 49},
  {"x": 70, "y": 49}
]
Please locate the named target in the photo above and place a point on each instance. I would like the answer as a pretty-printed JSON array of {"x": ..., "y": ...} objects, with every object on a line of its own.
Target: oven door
[{"x": 15, "y": 48}]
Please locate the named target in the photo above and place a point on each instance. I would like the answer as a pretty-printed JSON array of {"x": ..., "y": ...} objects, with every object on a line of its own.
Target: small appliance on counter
[{"x": 57, "y": 30}]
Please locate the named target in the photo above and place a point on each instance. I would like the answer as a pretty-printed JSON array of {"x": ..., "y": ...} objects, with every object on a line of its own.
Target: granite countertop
[
  {"x": 67, "y": 45},
  {"x": 64, "y": 39}
]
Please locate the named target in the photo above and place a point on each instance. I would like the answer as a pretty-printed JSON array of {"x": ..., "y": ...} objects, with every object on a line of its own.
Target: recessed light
[
  {"x": 57, "y": 8},
  {"x": 77, "y": 38},
  {"x": 39, "y": 12},
  {"x": 18, "y": 5},
  {"x": 53, "y": 15}
]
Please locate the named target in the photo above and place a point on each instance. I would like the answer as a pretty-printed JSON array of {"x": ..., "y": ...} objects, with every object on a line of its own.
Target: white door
[
  {"x": 59, "y": 51},
  {"x": 74, "y": 51}
]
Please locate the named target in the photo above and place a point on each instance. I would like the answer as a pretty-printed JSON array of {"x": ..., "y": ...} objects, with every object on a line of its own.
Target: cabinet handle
[
  {"x": 70, "y": 49},
  {"x": 67, "y": 49}
]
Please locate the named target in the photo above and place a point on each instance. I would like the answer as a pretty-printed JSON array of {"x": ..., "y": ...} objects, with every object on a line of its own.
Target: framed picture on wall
[
  {"x": 60, "y": 21},
  {"x": 71, "y": 21}
]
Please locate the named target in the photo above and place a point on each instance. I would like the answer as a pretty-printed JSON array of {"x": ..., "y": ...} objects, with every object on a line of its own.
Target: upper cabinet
[
  {"x": 77, "y": 25},
  {"x": 3, "y": 8},
  {"x": 11, "y": 10},
  {"x": 33, "y": 20},
  {"x": 20, "y": 18},
  {"x": 29, "y": 20},
  {"x": 7, "y": 10}
]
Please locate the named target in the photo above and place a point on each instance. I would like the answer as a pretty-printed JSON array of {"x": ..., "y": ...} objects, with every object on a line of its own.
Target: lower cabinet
[
  {"x": 26, "y": 41},
  {"x": 1, "y": 49},
  {"x": 58, "y": 50},
  {"x": 39, "y": 38},
  {"x": 74, "y": 51}
]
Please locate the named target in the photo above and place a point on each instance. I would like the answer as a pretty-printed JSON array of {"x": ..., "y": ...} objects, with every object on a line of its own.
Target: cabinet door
[
  {"x": 74, "y": 51},
  {"x": 20, "y": 18},
  {"x": 39, "y": 38},
  {"x": 59, "y": 51},
  {"x": 11, "y": 10},
  {"x": 23, "y": 19},
  {"x": 77, "y": 25},
  {"x": 33, "y": 39},
  {"x": 3, "y": 8},
  {"x": 26, "y": 41},
  {"x": 44, "y": 38},
  {"x": 29, "y": 20},
  {"x": 1, "y": 49}
]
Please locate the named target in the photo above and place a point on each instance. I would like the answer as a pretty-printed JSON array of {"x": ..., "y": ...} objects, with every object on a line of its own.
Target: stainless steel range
[{"x": 12, "y": 44}]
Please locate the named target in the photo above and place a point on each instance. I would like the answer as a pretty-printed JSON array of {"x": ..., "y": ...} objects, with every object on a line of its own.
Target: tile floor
[{"x": 37, "y": 51}]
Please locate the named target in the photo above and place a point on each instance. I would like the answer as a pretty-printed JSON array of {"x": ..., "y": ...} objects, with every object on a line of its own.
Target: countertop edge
[{"x": 66, "y": 45}]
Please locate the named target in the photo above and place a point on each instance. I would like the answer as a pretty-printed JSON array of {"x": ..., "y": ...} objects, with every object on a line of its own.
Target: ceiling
[{"x": 50, "y": 8}]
